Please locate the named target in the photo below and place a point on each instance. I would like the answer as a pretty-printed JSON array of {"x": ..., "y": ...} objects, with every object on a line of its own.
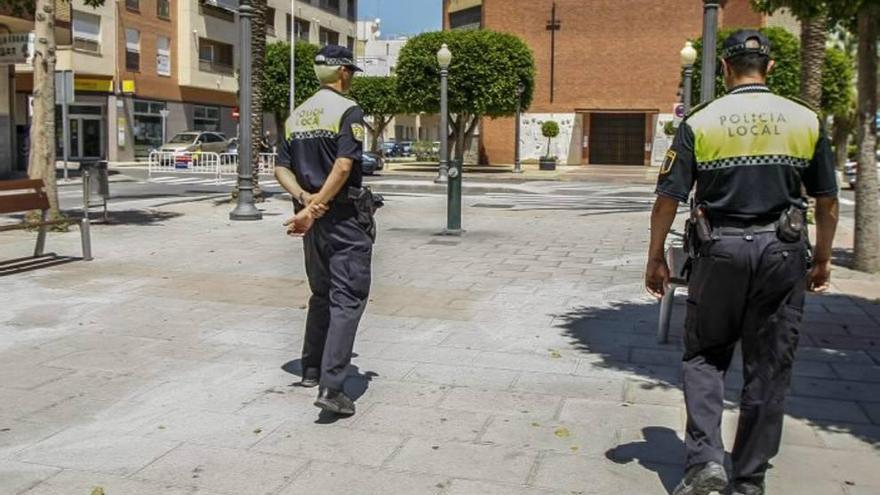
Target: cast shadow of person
[
  {"x": 356, "y": 386},
  {"x": 660, "y": 447}
]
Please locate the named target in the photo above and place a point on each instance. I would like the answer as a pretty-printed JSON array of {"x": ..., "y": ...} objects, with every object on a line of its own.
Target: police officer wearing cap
[
  {"x": 750, "y": 154},
  {"x": 319, "y": 165}
]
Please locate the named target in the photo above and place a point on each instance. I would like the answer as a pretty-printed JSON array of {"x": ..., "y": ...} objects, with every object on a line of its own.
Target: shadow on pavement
[
  {"x": 29, "y": 264},
  {"x": 836, "y": 387},
  {"x": 356, "y": 385},
  {"x": 660, "y": 444},
  {"x": 137, "y": 217}
]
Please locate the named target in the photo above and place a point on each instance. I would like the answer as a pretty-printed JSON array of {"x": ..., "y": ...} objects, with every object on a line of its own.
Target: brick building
[{"x": 616, "y": 71}]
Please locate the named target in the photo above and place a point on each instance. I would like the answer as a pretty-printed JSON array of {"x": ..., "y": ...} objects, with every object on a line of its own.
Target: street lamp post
[
  {"x": 688, "y": 57},
  {"x": 517, "y": 159},
  {"x": 245, "y": 209},
  {"x": 444, "y": 58},
  {"x": 293, "y": 38},
  {"x": 710, "y": 40}
]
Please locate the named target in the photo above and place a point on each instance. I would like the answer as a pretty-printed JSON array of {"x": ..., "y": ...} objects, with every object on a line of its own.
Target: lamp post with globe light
[
  {"x": 444, "y": 58},
  {"x": 688, "y": 57}
]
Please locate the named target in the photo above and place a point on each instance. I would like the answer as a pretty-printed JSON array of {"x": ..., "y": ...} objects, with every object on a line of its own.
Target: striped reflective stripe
[
  {"x": 753, "y": 161},
  {"x": 316, "y": 134}
]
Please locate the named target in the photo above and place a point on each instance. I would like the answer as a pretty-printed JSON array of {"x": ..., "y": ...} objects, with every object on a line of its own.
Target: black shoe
[
  {"x": 335, "y": 401},
  {"x": 702, "y": 479},
  {"x": 310, "y": 378},
  {"x": 746, "y": 488}
]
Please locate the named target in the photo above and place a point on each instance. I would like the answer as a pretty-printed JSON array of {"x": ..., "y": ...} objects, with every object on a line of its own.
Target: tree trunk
[
  {"x": 843, "y": 127},
  {"x": 41, "y": 162},
  {"x": 814, "y": 33},
  {"x": 258, "y": 46},
  {"x": 280, "y": 129},
  {"x": 867, "y": 235}
]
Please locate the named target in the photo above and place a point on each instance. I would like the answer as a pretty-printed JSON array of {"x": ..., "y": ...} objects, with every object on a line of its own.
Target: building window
[
  {"x": 163, "y": 9},
  {"x": 350, "y": 43},
  {"x": 352, "y": 10},
  {"x": 147, "y": 126},
  {"x": 132, "y": 50},
  {"x": 471, "y": 18},
  {"x": 327, "y": 37},
  {"x": 302, "y": 29},
  {"x": 133, "y": 4},
  {"x": 330, "y": 6},
  {"x": 270, "y": 21},
  {"x": 86, "y": 32},
  {"x": 206, "y": 119},
  {"x": 215, "y": 56},
  {"x": 163, "y": 56}
]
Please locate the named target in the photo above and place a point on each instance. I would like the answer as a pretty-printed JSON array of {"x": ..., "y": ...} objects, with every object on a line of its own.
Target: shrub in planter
[{"x": 549, "y": 130}]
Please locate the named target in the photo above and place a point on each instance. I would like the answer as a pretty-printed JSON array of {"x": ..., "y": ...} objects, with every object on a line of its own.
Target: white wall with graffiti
[{"x": 565, "y": 147}]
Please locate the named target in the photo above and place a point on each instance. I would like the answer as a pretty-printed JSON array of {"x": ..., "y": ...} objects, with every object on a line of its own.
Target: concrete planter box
[{"x": 547, "y": 163}]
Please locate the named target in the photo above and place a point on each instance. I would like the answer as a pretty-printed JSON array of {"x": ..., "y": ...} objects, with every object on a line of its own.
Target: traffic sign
[
  {"x": 678, "y": 111},
  {"x": 235, "y": 113}
]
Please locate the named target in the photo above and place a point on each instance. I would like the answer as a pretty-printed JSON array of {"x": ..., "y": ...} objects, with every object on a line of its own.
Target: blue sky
[{"x": 401, "y": 17}]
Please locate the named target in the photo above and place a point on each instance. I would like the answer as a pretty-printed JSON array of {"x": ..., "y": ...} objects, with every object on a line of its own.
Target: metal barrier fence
[{"x": 216, "y": 164}]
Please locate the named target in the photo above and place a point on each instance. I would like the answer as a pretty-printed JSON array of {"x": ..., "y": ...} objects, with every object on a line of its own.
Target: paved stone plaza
[{"x": 520, "y": 359}]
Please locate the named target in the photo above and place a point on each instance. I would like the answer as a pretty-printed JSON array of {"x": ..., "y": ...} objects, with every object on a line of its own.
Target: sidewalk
[{"x": 519, "y": 359}]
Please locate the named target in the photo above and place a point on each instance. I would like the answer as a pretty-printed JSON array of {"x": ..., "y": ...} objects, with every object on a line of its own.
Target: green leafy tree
[
  {"x": 41, "y": 162},
  {"x": 378, "y": 97},
  {"x": 276, "y": 79},
  {"x": 549, "y": 130},
  {"x": 486, "y": 68}
]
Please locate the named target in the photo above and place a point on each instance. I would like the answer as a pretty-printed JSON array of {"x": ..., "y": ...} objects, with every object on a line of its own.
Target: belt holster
[
  {"x": 792, "y": 225},
  {"x": 366, "y": 203}
]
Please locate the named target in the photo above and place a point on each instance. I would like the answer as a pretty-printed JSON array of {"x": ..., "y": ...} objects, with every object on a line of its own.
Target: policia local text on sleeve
[
  {"x": 319, "y": 165},
  {"x": 749, "y": 154}
]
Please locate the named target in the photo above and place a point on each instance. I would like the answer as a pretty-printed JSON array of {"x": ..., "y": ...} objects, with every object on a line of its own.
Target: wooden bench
[{"x": 22, "y": 196}]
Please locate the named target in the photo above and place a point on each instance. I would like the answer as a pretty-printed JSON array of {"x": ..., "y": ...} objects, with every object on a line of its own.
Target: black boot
[
  {"x": 702, "y": 479},
  {"x": 310, "y": 378},
  {"x": 335, "y": 401},
  {"x": 747, "y": 488}
]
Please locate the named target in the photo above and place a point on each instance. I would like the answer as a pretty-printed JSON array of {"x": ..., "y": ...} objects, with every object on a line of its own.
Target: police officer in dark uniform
[
  {"x": 749, "y": 154},
  {"x": 319, "y": 165}
]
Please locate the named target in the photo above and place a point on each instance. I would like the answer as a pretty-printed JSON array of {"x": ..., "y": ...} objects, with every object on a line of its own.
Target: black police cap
[
  {"x": 337, "y": 55},
  {"x": 743, "y": 42}
]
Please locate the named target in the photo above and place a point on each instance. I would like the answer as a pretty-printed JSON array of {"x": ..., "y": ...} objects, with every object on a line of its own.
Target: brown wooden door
[{"x": 617, "y": 139}]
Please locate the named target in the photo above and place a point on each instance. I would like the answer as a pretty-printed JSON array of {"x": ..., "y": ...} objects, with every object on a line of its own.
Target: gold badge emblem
[
  {"x": 667, "y": 162},
  {"x": 357, "y": 130}
]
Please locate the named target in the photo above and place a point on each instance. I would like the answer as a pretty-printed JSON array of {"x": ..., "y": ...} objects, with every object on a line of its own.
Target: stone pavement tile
[
  {"x": 17, "y": 435},
  {"x": 401, "y": 336},
  {"x": 210, "y": 428},
  {"x": 90, "y": 449},
  {"x": 67, "y": 411},
  {"x": 824, "y": 464},
  {"x": 463, "y": 376},
  {"x": 96, "y": 385},
  {"x": 835, "y": 389},
  {"x": 70, "y": 482},
  {"x": 593, "y": 367},
  {"x": 795, "y": 431},
  {"x": 543, "y": 362},
  {"x": 516, "y": 404},
  {"x": 531, "y": 435},
  {"x": 825, "y": 410},
  {"x": 251, "y": 338},
  {"x": 17, "y": 477},
  {"x": 862, "y": 490},
  {"x": 664, "y": 357},
  {"x": 331, "y": 443},
  {"x": 21, "y": 403},
  {"x": 468, "y": 487},
  {"x": 828, "y": 355},
  {"x": 858, "y": 372},
  {"x": 616, "y": 415},
  {"x": 649, "y": 392},
  {"x": 321, "y": 477},
  {"x": 384, "y": 369},
  {"x": 232, "y": 471},
  {"x": 220, "y": 396},
  {"x": 850, "y": 437},
  {"x": 598, "y": 388},
  {"x": 794, "y": 483},
  {"x": 464, "y": 460},
  {"x": 434, "y": 423},
  {"x": 405, "y": 394},
  {"x": 22, "y": 373},
  {"x": 600, "y": 476},
  {"x": 427, "y": 354},
  {"x": 649, "y": 444}
]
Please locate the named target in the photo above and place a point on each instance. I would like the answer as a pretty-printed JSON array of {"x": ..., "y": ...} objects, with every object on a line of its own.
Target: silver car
[{"x": 196, "y": 141}]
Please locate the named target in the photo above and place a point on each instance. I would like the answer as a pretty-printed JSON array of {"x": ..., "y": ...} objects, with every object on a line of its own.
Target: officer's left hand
[
  {"x": 300, "y": 223},
  {"x": 657, "y": 277}
]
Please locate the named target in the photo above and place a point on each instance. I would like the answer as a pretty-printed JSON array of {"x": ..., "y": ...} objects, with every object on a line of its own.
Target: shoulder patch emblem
[
  {"x": 357, "y": 130},
  {"x": 667, "y": 162}
]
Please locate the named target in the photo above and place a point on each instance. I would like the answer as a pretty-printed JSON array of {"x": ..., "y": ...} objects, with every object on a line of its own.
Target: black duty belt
[{"x": 744, "y": 232}]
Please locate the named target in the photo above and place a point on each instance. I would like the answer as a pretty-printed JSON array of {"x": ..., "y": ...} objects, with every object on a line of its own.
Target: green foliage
[
  {"x": 484, "y": 74},
  {"x": 670, "y": 128},
  {"x": 550, "y": 129},
  {"x": 276, "y": 76},
  {"x": 784, "y": 79},
  {"x": 839, "y": 11},
  {"x": 838, "y": 93},
  {"x": 377, "y": 96},
  {"x": 426, "y": 151}
]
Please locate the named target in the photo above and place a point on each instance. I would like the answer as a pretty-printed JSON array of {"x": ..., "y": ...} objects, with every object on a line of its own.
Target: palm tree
[
  {"x": 258, "y": 45},
  {"x": 867, "y": 234}
]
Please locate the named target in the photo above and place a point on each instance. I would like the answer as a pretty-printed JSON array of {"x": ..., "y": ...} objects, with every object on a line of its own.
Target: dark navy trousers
[
  {"x": 748, "y": 289},
  {"x": 338, "y": 258}
]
